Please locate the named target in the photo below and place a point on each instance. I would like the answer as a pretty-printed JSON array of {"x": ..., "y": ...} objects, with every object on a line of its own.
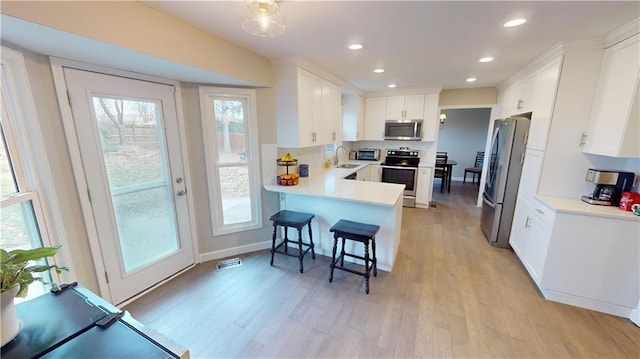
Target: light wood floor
[{"x": 450, "y": 295}]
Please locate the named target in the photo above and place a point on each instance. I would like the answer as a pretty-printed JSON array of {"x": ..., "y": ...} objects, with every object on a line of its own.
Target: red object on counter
[{"x": 628, "y": 199}]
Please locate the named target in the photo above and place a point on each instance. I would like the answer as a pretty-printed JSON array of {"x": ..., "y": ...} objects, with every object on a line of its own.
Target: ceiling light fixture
[
  {"x": 486, "y": 59},
  {"x": 378, "y": 71},
  {"x": 391, "y": 86},
  {"x": 355, "y": 47},
  {"x": 471, "y": 79},
  {"x": 262, "y": 18},
  {"x": 514, "y": 22}
]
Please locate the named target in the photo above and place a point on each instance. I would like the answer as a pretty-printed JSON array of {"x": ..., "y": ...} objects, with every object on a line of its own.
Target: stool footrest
[{"x": 292, "y": 251}]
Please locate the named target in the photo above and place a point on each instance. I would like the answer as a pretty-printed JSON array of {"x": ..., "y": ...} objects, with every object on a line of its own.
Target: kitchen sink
[{"x": 348, "y": 165}]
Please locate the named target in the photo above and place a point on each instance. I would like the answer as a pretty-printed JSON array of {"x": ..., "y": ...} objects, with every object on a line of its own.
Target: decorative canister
[{"x": 304, "y": 170}]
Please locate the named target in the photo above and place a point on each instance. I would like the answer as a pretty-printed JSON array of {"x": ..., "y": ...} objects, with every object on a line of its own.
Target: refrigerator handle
[{"x": 488, "y": 201}]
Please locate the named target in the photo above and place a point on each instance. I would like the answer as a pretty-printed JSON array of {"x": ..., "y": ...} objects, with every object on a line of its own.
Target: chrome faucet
[{"x": 335, "y": 159}]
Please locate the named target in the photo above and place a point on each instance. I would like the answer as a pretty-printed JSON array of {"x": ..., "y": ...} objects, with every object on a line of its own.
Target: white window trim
[
  {"x": 37, "y": 171},
  {"x": 211, "y": 154}
]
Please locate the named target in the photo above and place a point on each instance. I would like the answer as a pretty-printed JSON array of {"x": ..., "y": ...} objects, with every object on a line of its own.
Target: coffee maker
[{"x": 609, "y": 186}]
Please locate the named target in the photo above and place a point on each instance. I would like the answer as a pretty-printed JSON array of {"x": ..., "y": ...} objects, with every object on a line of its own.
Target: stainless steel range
[{"x": 401, "y": 166}]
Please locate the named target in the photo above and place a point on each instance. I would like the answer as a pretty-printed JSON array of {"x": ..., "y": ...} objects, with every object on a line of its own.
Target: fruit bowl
[{"x": 291, "y": 179}]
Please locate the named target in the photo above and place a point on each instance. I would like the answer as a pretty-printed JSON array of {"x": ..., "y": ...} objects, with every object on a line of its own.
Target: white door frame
[
  {"x": 487, "y": 148},
  {"x": 57, "y": 65}
]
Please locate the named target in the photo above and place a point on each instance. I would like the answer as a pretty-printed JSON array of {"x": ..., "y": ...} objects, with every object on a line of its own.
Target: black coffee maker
[{"x": 609, "y": 186}]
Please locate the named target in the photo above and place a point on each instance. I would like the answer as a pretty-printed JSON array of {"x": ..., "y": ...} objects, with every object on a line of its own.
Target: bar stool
[
  {"x": 359, "y": 232},
  {"x": 296, "y": 220}
]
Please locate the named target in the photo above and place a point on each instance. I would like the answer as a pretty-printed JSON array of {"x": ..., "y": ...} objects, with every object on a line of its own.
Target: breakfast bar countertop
[{"x": 331, "y": 184}]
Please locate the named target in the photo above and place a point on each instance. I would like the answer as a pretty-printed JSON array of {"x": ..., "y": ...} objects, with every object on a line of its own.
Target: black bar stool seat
[
  {"x": 359, "y": 232},
  {"x": 296, "y": 220}
]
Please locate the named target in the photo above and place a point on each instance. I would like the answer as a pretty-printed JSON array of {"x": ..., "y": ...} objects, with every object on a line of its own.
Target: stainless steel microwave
[{"x": 403, "y": 130}]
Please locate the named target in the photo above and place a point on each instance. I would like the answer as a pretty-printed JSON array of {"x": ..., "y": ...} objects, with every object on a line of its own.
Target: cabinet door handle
[
  {"x": 539, "y": 211},
  {"x": 520, "y": 104},
  {"x": 583, "y": 139},
  {"x": 527, "y": 222}
]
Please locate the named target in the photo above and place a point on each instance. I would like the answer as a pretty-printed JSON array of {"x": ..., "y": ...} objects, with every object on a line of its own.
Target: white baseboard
[
  {"x": 234, "y": 251},
  {"x": 609, "y": 308}
]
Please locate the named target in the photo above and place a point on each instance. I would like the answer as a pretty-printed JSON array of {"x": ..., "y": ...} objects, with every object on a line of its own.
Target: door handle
[{"x": 182, "y": 192}]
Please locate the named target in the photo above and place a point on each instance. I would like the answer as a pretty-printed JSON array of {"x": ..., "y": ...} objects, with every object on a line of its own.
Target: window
[
  {"x": 230, "y": 139},
  {"x": 24, "y": 217}
]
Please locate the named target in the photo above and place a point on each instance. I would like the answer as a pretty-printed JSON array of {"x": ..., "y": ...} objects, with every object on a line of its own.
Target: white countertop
[
  {"x": 330, "y": 183},
  {"x": 577, "y": 206}
]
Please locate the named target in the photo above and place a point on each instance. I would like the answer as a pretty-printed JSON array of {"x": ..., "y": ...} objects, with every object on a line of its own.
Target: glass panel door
[
  {"x": 138, "y": 214},
  {"x": 134, "y": 155}
]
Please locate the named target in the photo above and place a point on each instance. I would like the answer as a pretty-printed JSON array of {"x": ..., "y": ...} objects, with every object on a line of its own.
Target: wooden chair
[
  {"x": 441, "y": 169},
  {"x": 476, "y": 170}
]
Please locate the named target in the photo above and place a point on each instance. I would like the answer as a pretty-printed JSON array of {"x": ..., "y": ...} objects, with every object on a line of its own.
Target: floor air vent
[{"x": 229, "y": 263}]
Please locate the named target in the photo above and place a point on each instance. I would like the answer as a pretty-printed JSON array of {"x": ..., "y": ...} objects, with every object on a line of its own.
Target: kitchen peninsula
[{"x": 331, "y": 197}]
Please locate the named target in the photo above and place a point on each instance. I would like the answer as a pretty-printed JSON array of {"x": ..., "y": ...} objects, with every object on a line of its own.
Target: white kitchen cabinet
[
  {"x": 363, "y": 174},
  {"x": 375, "y": 173},
  {"x": 530, "y": 236},
  {"x": 615, "y": 116},
  {"x": 405, "y": 107},
  {"x": 423, "y": 187},
  {"x": 431, "y": 116},
  {"x": 592, "y": 262},
  {"x": 352, "y": 118},
  {"x": 546, "y": 88},
  {"x": 506, "y": 102},
  {"x": 332, "y": 107},
  {"x": 375, "y": 112},
  {"x": 530, "y": 177},
  {"x": 307, "y": 108},
  {"x": 525, "y": 94}
]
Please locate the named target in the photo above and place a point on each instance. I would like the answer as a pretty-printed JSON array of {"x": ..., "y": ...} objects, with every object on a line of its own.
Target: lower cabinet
[
  {"x": 582, "y": 260},
  {"x": 423, "y": 187},
  {"x": 364, "y": 174},
  {"x": 530, "y": 236},
  {"x": 375, "y": 173},
  {"x": 593, "y": 262}
]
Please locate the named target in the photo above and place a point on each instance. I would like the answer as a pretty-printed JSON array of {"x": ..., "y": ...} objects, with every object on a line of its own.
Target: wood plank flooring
[{"x": 450, "y": 295}]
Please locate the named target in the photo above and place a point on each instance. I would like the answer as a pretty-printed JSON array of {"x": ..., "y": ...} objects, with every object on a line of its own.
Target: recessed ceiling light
[
  {"x": 355, "y": 46},
  {"x": 514, "y": 22},
  {"x": 471, "y": 79},
  {"x": 378, "y": 71},
  {"x": 486, "y": 59},
  {"x": 391, "y": 85}
]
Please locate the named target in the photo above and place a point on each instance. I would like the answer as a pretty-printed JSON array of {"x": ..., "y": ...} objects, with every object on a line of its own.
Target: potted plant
[{"x": 17, "y": 268}]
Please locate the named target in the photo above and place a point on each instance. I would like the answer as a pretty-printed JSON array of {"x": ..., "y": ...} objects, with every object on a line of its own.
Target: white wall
[{"x": 463, "y": 134}]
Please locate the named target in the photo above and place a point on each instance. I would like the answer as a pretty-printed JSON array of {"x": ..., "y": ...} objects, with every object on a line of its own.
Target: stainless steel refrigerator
[{"x": 508, "y": 145}]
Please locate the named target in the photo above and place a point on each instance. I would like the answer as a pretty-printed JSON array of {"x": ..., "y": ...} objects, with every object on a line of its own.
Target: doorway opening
[{"x": 462, "y": 134}]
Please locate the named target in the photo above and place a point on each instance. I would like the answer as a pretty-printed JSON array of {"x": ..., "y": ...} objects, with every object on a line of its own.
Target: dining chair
[
  {"x": 476, "y": 170},
  {"x": 441, "y": 169}
]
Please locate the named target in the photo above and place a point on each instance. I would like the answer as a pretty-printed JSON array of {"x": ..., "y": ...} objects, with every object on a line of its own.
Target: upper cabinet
[
  {"x": 353, "y": 110},
  {"x": 505, "y": 103},
  {"x": 405, "y": 107},
  {"x": 546, "y": 86},
  {"x": 375, "y": 110},
  {"x": 431, "y": 117},
  {"x": 615, "y": 118},
  {"x": 308, "y": 108},
  {"x": 534, "y": 93},
  {"x": 524, "y": 95}
]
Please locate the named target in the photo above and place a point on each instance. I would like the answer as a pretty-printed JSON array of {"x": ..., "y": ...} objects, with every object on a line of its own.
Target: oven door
[{"x": 403, "y": 175}]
